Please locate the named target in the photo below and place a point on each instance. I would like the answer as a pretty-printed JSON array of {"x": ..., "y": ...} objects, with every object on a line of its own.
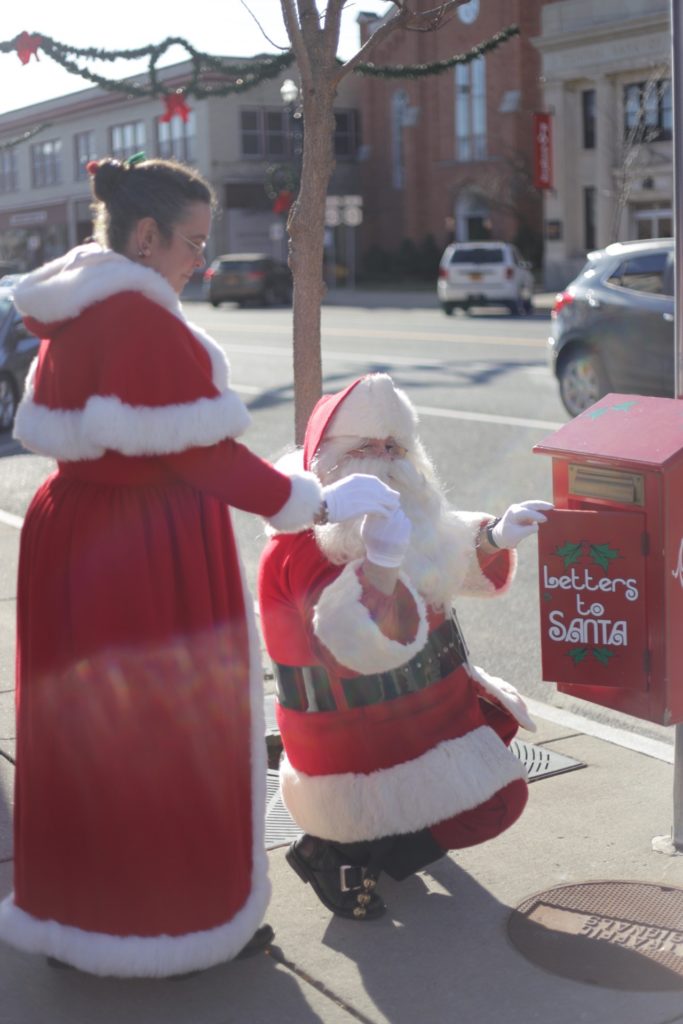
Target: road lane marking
[
  {"x": 351, "y": 332},
  {"x": 450, "y": 414}
]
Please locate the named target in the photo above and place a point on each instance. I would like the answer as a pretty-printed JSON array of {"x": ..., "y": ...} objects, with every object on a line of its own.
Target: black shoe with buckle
[{"x": 348, "y": 890}]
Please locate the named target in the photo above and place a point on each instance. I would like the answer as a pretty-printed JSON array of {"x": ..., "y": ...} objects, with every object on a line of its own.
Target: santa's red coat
[
  {"x": 140, "y": 784},
  {"x": 436, "y": 758}
]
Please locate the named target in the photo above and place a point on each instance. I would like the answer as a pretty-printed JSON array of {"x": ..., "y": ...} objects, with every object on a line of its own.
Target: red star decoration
[
  {"x": 26, "y": 46},
  {"x": 175, "y": 105}
]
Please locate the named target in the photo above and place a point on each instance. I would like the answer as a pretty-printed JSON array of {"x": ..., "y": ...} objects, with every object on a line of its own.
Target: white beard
[{"x": 436, "y": 559}]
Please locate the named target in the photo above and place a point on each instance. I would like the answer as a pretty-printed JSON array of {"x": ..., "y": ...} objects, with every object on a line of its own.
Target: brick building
[{"x": 451, "y": 155}]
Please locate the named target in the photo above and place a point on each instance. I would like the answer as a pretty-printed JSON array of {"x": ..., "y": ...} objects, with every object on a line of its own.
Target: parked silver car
[
  {"x": 613, "y": 326},
  {"x": 484, "y": 274}
]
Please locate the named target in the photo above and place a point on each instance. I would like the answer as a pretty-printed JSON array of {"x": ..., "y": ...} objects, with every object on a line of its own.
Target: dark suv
[
  {"x": 248, "y": 277},
  {"x": 613, "y": 326}
]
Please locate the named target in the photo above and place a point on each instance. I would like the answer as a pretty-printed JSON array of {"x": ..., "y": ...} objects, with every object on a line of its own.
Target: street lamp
[{"x": 289, "y": 93}]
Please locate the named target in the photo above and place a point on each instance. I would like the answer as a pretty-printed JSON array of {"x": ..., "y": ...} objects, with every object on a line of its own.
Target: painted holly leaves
[{"x": 603, "y": 555}]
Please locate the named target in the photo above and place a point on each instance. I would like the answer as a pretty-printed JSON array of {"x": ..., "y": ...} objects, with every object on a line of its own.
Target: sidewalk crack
[{"x": 320, "y": 986}]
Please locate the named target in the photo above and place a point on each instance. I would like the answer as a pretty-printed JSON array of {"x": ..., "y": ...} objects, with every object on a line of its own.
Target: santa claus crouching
[{"x": 395, "y": 746}]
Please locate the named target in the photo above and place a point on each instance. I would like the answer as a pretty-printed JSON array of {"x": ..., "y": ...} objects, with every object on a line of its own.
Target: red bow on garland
[
  {"x": 283, "y": 201},
  {"x": 175, "y": 104},
  {"x": 26, "y": 46}
]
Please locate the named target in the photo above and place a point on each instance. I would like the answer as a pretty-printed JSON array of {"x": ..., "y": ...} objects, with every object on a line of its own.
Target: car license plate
[
  {"x": 476, "y": 276},
  {"x": 232, "y": 280}
]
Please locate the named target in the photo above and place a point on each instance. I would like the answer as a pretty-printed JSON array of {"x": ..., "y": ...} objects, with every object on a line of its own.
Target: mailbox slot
[{"x": 613, "y": 485}]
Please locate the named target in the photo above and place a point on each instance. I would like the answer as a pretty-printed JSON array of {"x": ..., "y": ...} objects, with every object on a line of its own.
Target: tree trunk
[{"x": 306, "y": 227}]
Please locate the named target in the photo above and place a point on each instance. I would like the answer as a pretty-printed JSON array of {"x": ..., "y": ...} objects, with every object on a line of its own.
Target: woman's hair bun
[{"x": 106, "y": 177}]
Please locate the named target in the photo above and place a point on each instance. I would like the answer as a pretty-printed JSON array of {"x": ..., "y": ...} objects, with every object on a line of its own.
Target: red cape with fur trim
[{"x": 140, "y": 756}]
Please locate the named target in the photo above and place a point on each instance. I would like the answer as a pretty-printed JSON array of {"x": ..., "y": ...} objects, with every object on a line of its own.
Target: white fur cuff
[
  {"x": 300, "y": 508},
  {"x": 454, "y": 776},
  {"x": 345, "y": 627},
  {"x": 506, "y": 694}
]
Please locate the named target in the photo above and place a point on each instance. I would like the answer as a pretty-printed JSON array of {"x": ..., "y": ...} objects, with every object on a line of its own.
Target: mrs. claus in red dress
[{"x": 141, "y": 762}]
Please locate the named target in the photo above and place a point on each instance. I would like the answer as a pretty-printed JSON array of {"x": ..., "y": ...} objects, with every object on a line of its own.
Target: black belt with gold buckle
[{"x": 308, "y": 687}]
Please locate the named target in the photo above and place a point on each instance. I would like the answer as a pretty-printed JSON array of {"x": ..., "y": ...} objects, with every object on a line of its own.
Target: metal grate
[
  {"x": 539, "y": 763},
  {"x": 626, "y": 935}
]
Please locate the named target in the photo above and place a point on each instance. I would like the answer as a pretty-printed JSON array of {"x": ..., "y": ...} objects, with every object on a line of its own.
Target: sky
[{"x": 222, "y": 27}]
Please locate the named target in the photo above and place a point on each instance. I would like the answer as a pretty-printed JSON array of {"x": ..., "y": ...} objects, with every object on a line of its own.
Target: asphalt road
[{"x": 485, "y": 397}]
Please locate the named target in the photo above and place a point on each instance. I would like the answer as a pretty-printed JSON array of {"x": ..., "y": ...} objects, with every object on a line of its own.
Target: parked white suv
[{"x": 484, "y": 274}]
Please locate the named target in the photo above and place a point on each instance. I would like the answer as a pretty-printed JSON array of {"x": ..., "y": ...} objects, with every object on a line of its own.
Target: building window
[
  {"x": 127, "y": 139},
  {"x": 9, "y": 179},
  {"x": 399, "y": 103},
  {"x": 648, "y": 111},
  {"x": 345, "y": 134},
  {"x": 589, "y": 217},
  {"x": 176, "y": 139},
  {"x": 266, "y": 134},
  {"x": 46, "y": 163},
  {"x": 470, "y": 110},
  {"x": 588, "y": 118},
  {"x": 84, "y": 150}
]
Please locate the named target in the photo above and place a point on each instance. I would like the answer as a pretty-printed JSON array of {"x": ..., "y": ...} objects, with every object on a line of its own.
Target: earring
[{"x": 142, "y": 253}]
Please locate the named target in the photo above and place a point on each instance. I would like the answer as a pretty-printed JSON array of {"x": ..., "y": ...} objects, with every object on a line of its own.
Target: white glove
[
  {"x": 386, "y": 538},
  {"x": 519, "y": 521},
  {"x": 356, "y": 495}
]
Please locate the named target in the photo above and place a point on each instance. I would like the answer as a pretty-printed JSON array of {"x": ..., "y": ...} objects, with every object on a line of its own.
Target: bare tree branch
[
  {"x": 261, "y": 28},
  {"x": 290, "y": 17}
]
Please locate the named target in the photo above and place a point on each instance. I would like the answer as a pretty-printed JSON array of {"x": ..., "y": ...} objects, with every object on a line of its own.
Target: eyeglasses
[{"x": 198, "y": 248}]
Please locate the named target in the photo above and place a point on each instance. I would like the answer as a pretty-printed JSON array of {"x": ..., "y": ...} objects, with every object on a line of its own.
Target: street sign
[{"x": 343, "y": 210}]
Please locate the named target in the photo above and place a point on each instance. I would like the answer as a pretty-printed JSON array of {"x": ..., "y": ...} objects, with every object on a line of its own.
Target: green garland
[
  {"x": 209, "y": 73},
  {"x": 24, "y": 137},
  {"x": 420, "y": 70}
]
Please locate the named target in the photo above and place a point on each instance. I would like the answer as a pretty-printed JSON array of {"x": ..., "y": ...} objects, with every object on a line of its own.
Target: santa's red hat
[{"x": 371, "y": 407}]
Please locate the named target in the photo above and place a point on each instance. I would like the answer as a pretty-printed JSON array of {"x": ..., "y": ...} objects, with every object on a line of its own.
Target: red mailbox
[{"x": 611, "y": 558}]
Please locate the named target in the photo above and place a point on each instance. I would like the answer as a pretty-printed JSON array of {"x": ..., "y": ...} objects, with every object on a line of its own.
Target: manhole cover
[{"x": 626, "y": 935}]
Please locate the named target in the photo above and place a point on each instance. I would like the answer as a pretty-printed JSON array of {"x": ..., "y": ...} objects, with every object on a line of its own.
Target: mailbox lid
[
  {"x": 592, "y": 599},
  {"x": 622, "y": 428}
]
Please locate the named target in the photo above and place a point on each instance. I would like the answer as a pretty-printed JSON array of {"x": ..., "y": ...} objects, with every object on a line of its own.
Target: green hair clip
[{"x": 136, "y": 158}]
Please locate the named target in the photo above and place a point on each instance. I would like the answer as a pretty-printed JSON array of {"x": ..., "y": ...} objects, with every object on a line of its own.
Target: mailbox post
[{"x": 611, "y": 561}]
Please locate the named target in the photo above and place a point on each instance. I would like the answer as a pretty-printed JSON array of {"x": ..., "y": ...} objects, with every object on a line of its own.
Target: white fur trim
[
  {"x": 474, "y": 582},
  {"x": 454, "y": 776},
  {"x": 375, "y": 408},
  {"x": 163, "y": 955},
  {"x": 63, "y": 288},
  {"x": 344, "y": 625},
  {"x": 108, "y": 423},
  {"x": 300, "y": 508},
  {"x": 506, "y": 694}
]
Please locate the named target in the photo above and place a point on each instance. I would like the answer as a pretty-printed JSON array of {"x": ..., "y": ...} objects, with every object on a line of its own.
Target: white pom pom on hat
[{"x": 371, "y": 407}]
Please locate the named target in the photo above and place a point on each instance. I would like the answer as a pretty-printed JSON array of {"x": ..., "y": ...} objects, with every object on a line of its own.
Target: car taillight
[
  {"x": 562, "y": 299},
  {"x": 208, "y": 273},
  {"x": 443, "y": 272},
  {"x": 509, "y": 272}
]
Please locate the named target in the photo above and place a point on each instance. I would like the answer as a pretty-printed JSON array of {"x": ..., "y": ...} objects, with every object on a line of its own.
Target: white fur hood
[{"x": 59, "y": 292}]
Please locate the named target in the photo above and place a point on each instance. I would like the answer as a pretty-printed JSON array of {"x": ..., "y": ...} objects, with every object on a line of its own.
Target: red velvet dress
[{"x": 140, "y": 784}]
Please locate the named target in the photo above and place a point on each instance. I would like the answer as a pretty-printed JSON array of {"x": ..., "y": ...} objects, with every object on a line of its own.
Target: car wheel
[
  {"x": 269, "y": 297},
  {"x": 214, "y": 302},
  {"x": 448, "y": 308},
  {"x": 8, "y": 402},
  {"x": 529, "y": 307},
  {"x": 582, "y": 380},
  {"x": 517, "y": 306}
]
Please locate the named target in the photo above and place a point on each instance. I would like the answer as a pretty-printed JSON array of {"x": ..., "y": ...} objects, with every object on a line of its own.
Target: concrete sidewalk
[{"x": 442, "y": 954}]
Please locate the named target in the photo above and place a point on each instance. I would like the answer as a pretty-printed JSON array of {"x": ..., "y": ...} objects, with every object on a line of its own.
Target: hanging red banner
[{"x": 543, "y": 151}]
